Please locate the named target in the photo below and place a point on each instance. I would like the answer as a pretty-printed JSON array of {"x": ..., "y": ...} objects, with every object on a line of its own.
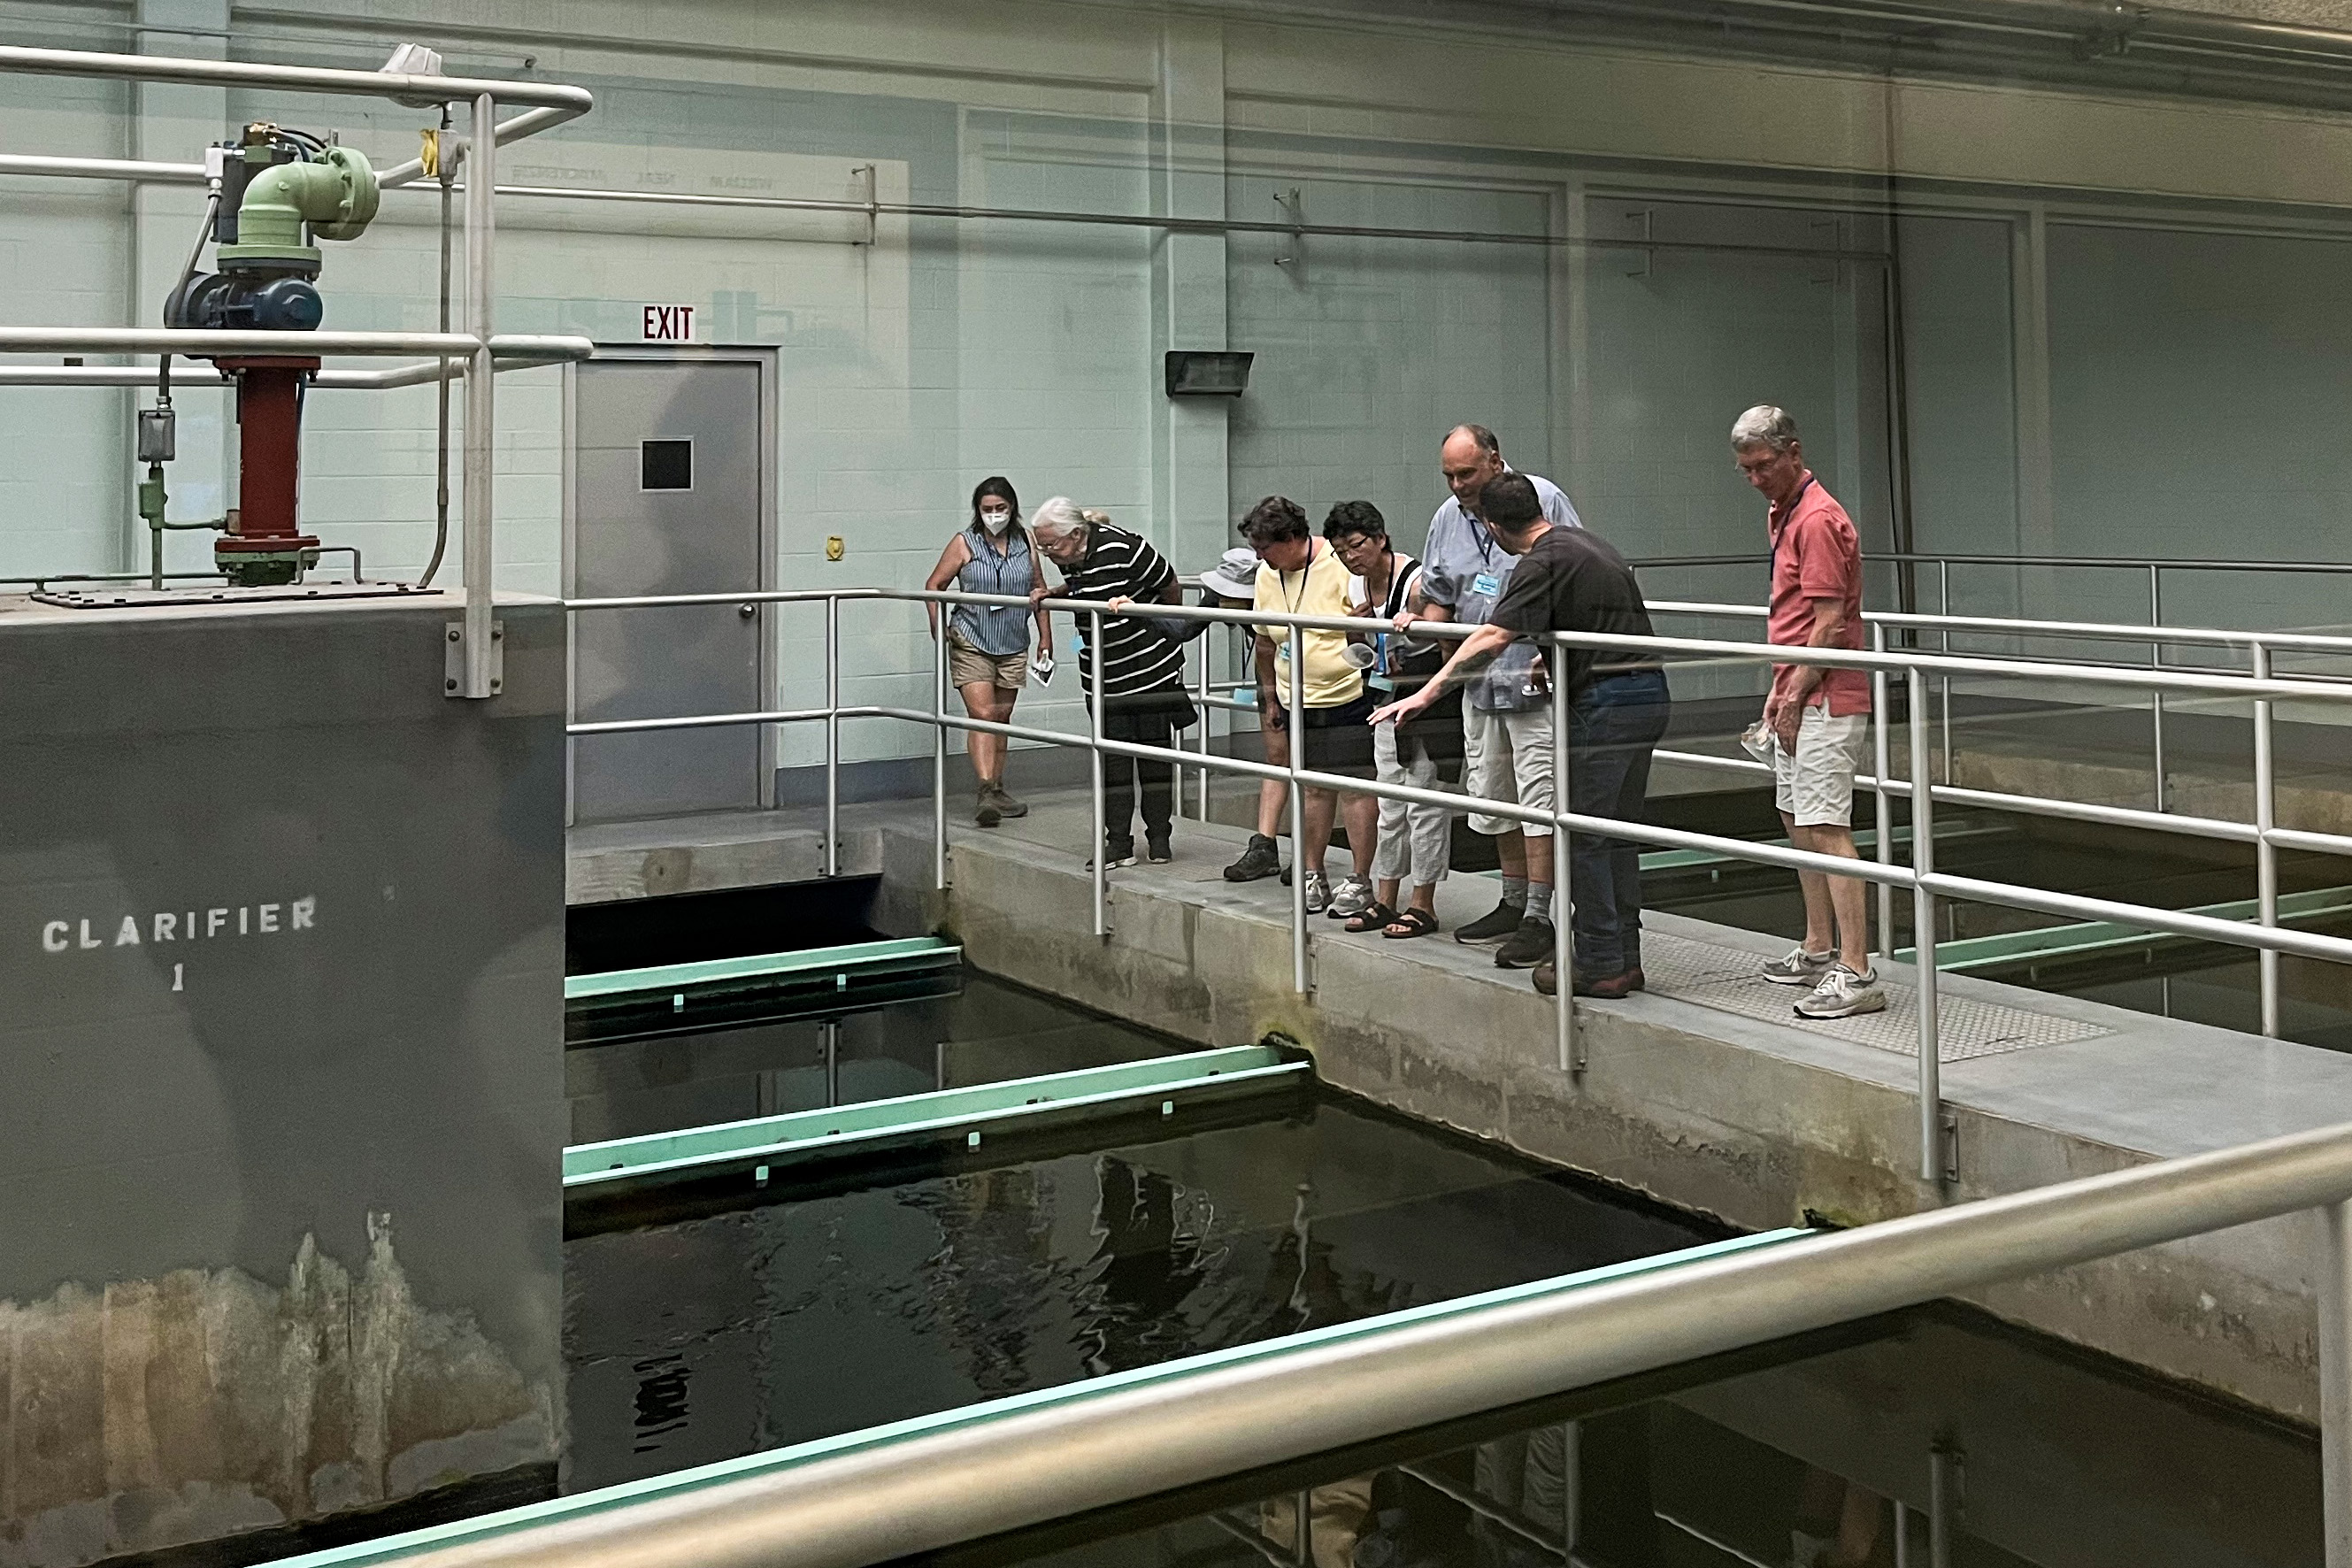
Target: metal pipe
[
  {"x": 1098, "y": 863},
  {"x": 1944, "y": 603},
  {"x": 698, "y": 722},
  {"x": 1923, "y": 937},
  {"x": 2265, "y": 852},
  {"x": 186, "y": 376},
  {"x": 480, "y": 563},
  {"x": 850, "y": 1505},
  {"x": 104, "y": 169},
  {"x": 1939, "y": 1505},
  {"x": 2333, "y": 1285},
  {"x": 167, "y": 339},
  {"x": 527, "y": 124},
  {"x": 2105, "y": 562},
  {"x": 1563, "y": 956},
  {"x": 1882, "y": 758},
  {"x": 441, "y": 369},
  {"x": 2217, "y": 637},
  {"x": 574, "y": 100},
  {"x": 1214, "y": 225},
  {"x": 939, "y": 756},
  {"x": 1301, "y": 980},
  {"x": 832, "y": 734},
  {"x": 2155, "y": 658}
]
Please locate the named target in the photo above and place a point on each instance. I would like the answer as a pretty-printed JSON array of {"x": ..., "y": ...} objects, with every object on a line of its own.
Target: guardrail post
[
  {"x": 940, "y": 754},
  {"x": 2336, "y": 1380},
  {"x": 1562, "y": 916},
  {"x": 1923, "y": 933},
  {"x": 1208, "y": 661},
  {"x": 480, "y": 561},
  {"x": 1944, "y": 604},
  {"x": 1300, "y": 981},
  {"x": 1942, "y": 1468},
  {"x": 1881, "y": 764},
  {"x": 1100, "y": 859},
  {"x": 2156, "y": 661},
  {"x": 2265, "y": 852},
  {"x": 833, "y": 734}
]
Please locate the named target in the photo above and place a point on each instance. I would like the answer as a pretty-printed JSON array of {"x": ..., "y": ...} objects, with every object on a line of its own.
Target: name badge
[{"x": 1486, "y": 583}]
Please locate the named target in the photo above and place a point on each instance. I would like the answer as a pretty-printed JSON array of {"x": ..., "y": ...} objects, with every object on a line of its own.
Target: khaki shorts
[
  {"x": 967, "y": 666},
  {"x": 1507, "y": 756},
  {"x": 1815, "y": 784}
]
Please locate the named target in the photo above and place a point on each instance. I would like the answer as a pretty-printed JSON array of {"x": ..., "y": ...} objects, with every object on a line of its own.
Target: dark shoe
[
  {"x": 1607, "y": 987},
  {"x": 1261, "y": 858},
  {"x": 1117, "y": 852},
  {"x": 1006, "y": 805},
  {"x": 1547, "y": 978},
  {"x": 988, "y": 814},
  {"x": 1156, "y": 850},
  {"x": 1635, "y": 980},
  {"x": 1527, "y": 946},
  {"x": 1493, "y": 926}
]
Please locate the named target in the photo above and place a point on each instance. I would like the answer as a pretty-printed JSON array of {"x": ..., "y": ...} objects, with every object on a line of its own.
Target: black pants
[{"x": 1121, "y": 775}]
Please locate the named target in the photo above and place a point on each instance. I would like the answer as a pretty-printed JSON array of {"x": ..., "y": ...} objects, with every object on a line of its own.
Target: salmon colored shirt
[{"x": 1815, "y": 555}]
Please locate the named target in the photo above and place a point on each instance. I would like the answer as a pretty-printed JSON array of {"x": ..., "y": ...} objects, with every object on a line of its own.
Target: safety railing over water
[
  {"x": 1912, "y": 566},
  {"x": 1925, "y": 885},
  {"x": 899, "y": 1492}
]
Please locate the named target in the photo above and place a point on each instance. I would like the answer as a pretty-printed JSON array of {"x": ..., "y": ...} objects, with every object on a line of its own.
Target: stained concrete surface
[{"x": 281, "y": 939}]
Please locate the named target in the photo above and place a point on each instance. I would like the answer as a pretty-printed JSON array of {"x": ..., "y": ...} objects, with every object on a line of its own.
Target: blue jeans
[{"x": 1613, "y": 725}]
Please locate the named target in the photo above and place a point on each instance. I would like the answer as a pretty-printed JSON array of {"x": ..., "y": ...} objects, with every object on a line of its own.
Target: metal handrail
[
  {"x": 1917, "y": 558},
  {"x": 2264, "y": 935},
  {"x": 922, "y": 1487}
]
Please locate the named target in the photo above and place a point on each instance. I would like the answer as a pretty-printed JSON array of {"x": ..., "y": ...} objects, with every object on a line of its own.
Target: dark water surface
[{"x": 725, "y": 1334}]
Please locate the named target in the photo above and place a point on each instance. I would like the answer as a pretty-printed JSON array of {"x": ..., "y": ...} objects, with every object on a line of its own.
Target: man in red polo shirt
[{"x": 1816, "y": 719}]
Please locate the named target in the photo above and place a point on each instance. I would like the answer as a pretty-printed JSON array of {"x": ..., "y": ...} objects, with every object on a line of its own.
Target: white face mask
[{"x": 996, "y": 521}]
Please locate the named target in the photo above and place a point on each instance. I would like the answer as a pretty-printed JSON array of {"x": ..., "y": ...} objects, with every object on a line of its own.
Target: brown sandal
[
  {"x": 1411, "y": 924},
  {"x": 1373, "y": 916}
]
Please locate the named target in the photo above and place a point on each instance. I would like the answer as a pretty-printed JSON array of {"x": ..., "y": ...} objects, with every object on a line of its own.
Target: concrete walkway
[{"x": 1705, "y": 1090}]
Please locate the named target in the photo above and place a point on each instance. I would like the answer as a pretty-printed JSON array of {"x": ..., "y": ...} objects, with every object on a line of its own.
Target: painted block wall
[{"x": 2087, "y": 283}]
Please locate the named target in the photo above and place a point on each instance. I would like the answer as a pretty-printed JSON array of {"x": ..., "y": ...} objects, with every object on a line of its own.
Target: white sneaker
[
  {"x": 1798, "y": 967},
  {"x": 1352, "y": 897},
  {"x": 1843, "y": 994},
  {"x": 1319, "y": 892}
]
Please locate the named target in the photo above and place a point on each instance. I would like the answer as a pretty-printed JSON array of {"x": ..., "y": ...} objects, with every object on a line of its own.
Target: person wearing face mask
[{"x": 988, "y": 645}]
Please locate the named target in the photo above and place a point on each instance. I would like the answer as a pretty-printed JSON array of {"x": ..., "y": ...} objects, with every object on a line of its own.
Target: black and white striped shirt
[{"x": 1138, "y": 657}]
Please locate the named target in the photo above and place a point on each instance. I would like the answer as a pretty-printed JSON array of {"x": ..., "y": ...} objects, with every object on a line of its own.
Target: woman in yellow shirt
[{"x": 1298, "y": 574}]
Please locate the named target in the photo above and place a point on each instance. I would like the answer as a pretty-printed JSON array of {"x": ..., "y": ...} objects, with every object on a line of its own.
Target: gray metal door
[{"x": 665, "y": 499}]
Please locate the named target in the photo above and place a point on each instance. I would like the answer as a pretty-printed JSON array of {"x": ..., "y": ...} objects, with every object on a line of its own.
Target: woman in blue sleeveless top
[{"x": 988, "y": 645}]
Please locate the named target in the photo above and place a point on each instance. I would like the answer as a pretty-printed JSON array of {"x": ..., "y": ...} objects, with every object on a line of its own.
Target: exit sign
[{"x": 670, "y": 323}]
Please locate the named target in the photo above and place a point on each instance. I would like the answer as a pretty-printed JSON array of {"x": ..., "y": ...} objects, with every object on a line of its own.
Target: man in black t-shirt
[{"x": 1571, "y": 580}]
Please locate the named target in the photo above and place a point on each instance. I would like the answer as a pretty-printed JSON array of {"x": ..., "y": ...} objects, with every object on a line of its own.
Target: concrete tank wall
[{"x": 280, "y": 1068}]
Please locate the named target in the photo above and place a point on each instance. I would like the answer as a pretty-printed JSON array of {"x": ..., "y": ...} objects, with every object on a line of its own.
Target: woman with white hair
[{"x": 1144, "y": 701}]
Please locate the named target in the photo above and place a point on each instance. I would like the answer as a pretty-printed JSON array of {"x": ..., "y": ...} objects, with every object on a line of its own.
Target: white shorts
[
  {"x": 1507, "y": 756},
  {"x": 1814, "y": 787}
]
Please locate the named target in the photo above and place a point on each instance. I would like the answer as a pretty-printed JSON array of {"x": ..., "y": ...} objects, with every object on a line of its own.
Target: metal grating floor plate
[{"x": 1724, "y": 978}]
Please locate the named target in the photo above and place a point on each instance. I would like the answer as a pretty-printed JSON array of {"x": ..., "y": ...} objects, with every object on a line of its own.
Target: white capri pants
[
  {"x": 1416, "y": 839},
  {"x": 1507, "y": 756}
]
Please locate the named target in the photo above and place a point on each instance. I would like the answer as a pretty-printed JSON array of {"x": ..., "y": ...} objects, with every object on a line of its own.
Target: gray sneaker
[
  {"x": 1351, "y": 898},
  {"x": 1319, "y": 892},
  {"x": 1799, "y": 967},
  {"x": 1007, "y": 805},
  {"x": 1843, "y": 994}
]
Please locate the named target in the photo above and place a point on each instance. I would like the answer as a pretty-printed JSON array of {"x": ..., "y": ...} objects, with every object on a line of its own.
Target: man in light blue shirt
[{"x": 1506, "y": 714}]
